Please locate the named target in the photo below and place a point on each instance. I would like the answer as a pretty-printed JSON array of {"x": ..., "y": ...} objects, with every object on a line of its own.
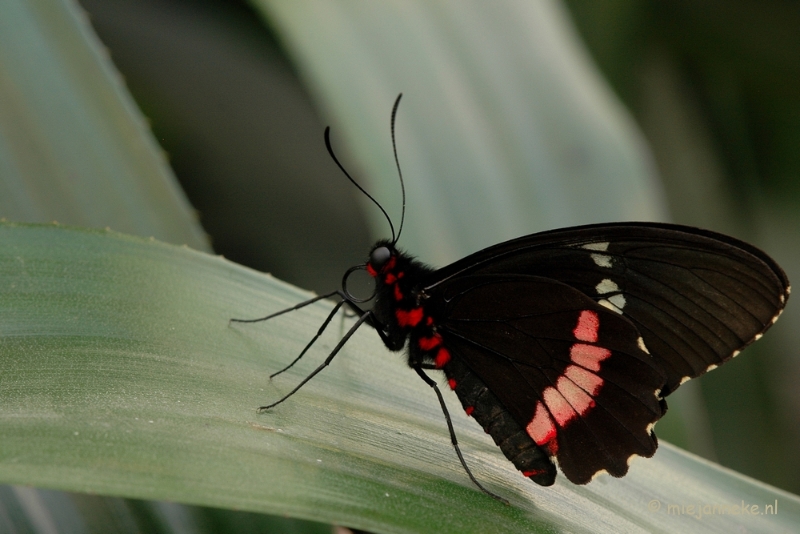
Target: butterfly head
[{"x": 381, "y": 259}]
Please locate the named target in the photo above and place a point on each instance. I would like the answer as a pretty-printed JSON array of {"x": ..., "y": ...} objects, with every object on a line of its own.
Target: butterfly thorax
[{"x": 400, "y": 305}]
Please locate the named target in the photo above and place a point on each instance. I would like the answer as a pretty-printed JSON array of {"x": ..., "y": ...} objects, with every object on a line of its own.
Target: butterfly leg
[
  {"x": 453, "y": 439},
  {"x": 379, "y": 328},
  {"x": 316, "y": 336},
  {"x": 287, "y": 310},
  {"x": 361, "y": 320},
  {"x": 297, "y": 307}
]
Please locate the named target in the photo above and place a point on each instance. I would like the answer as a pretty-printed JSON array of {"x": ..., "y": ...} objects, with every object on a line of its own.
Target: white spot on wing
[
  {"x": 606, "y": 286},
  {"x": 758, "y": 336},
  {"x": 641, "y": 344},
  {"x": 609, "y": 305},
  {"x": 602, "y": 260},
  {"x": 602, "y": 247},
  {"x": 649, "y": 428},
  {"x": 684, "y": 380},
  {"x": 618, "y": 300},
  {"x": 711, "y": 367},
  {"x": 601, "y": 472},
  {"x": 735, "y": 353}
]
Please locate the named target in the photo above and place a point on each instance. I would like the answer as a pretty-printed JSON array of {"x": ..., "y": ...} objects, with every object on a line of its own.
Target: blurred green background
[{"x": 710, "y": 85}]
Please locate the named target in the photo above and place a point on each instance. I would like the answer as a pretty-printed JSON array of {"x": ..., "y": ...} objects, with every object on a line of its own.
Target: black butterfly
[{"x": 563, "y": 344}]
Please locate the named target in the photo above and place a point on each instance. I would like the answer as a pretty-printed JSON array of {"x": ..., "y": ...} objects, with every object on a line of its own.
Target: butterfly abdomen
[{"x": 481, "y": 404}]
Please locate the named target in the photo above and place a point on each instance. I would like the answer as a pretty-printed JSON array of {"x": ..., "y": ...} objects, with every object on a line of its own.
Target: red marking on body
[
  {"x": 389, "y": 265},
  {"x": 442, "y": 358},
  {"x": 400, "y": 274},
  {"x": 588, "y": 356},
  {"x": 587, "y": 381},
  {"x": 390, "y": 278},
  {"x": 587, "y": 327},
  {"x": 577, "y": 398},
  {"x": 533, "y": 472},
  {"x": 398, "y": 295},
  {"x": 469, "y": 410},
  {"x": 452, "y": 383},
  {"x": 409, "y": 317},
  {"x": 429, "y": 343},
  {"x": 541, "y": 428},
  {"x": 429, "y": 321},
  {"x": 371, "y": 270}
]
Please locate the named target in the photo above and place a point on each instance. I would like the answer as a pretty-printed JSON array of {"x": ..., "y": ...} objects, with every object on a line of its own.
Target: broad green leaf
[
  {"x": 73, "y": 145},
  {"x": 120, "y": 375}
]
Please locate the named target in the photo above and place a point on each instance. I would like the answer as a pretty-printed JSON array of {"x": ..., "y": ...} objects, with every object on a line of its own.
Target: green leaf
[
  {"x": 73, "y": 145},
  {"x": 120, "y": 375}
]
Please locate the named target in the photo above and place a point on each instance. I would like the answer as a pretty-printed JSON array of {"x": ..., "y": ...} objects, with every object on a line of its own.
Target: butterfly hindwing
[{"x": 571, "y": 372}]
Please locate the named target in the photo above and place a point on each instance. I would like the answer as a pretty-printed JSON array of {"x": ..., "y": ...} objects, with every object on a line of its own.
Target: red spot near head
[
  {"x": 389, "y": 265},
  {"x": 371, "y": 270},
  {"x": 400, "y": 274},
  {"x": 429, "y": 343},
  {"x": 587, "y": 327},
  {"x": 452, "y": 383},
  {"x": 469, "y": 410},
  {"x": 429, "y": 321},
  {"x": 409, "y": 317},
  {"x": 442, "y": 357},
  {"x": 390, "y": 278},
  {"x": 398, "y": 295}
]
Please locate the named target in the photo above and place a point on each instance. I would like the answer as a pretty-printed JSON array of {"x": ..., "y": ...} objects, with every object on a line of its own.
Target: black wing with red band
[
  {"x": 579, "y": 333},
  {"x": 572, "y": 373}
]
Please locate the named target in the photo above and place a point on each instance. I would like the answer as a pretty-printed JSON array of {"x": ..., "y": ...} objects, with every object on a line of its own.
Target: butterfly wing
[
  {"x": 570, "y": 371},
  {"x": 696, "y": 297}
]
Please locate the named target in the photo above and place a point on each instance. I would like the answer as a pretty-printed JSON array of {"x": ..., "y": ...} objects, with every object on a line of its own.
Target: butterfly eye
[{"x": 379, "y": 256}]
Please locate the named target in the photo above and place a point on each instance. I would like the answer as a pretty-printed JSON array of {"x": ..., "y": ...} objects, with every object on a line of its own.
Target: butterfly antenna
[
  {"x": 399, "y": 172},
  {"x": 330, "y": 151}
]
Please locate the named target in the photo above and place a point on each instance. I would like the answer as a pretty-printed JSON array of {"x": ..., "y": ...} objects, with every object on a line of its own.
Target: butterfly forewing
[{"x": 696, "y": 297}]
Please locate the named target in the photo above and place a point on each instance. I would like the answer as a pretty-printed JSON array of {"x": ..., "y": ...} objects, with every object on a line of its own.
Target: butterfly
[{"x": 564, "y": 344}]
